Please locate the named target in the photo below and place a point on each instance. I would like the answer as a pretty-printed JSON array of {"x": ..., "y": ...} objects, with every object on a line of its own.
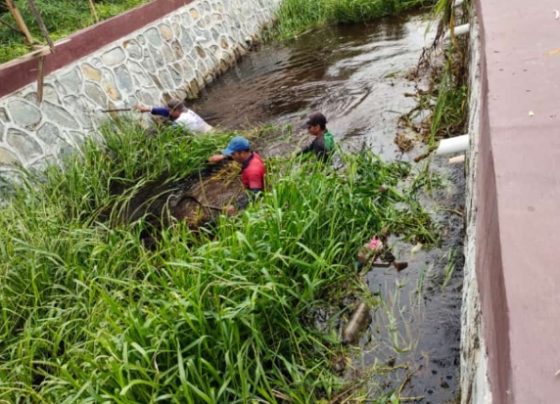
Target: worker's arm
[
  {"x": 217, "y": 158},
  {"x": 304, "y": 150},
  {"x": 159, "y": 111},
  {"x": 307, "y": 149}
]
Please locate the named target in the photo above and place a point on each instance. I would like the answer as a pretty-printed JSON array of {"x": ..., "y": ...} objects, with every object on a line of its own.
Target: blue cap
[{"x": 237, "y": 144}]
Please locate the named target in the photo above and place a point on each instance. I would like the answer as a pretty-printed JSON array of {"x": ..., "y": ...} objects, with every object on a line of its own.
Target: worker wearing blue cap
[{"x": 253, "y": 169}]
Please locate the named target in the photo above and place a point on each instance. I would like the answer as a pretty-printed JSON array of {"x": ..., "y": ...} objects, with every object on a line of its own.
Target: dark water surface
[{"x": 355, "y": 75}]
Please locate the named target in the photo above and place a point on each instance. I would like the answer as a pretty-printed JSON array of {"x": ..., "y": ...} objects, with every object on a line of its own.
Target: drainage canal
[{"x": 357, "y": 76}]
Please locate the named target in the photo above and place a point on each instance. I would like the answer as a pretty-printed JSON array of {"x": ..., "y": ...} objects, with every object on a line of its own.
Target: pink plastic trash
[{"x": 375, "y": 244}]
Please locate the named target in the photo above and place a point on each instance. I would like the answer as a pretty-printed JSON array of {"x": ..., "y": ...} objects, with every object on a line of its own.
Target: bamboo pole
[
  {"x": 93, "y": 10},
  {"x": 40, "y": 23},
  {"x": 40, "y": 78},
  {"x": 20, "y": 22}
]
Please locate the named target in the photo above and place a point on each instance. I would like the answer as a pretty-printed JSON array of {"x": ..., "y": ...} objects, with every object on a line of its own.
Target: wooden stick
[
  {"x": 20, "y": 22},
  {"x": 40, "y": 23},
  {"x": 116, "y": 110},
  {"x": 93, "y": 10},
  {"x": 40, "y": 78},
  {"x": 197, "y": 201}
]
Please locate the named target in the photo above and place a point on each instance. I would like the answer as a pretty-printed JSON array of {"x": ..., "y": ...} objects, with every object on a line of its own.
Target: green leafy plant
[{"x": 90, "y": 314}]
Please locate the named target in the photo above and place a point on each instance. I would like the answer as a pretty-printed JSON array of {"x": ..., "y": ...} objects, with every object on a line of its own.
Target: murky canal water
[{"x": 355, "y": 75}]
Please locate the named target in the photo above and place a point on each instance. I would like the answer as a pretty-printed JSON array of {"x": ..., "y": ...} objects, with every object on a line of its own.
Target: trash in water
[
  {"x": 369, "y": 251},
  {"x": 399, "y": 266},
  {"x": 416, "y": 248},
  {"x": 359, "y": 320}
]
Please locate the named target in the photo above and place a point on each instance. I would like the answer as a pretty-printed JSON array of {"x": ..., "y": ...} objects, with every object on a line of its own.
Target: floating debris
[
  {"x": 416, "y": 248},
  {"x": 359, "y": 319},
  {"x": 404, "y": 143},
  {"x": 370, "y": 251}
]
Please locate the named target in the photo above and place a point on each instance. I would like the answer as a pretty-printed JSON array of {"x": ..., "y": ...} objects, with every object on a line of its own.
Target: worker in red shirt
[{"x": 253, "y": 169}]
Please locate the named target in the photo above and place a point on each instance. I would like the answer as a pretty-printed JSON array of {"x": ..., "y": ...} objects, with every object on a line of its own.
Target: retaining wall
[
  {"x": 167, "y": 48},
  {"x": 510, "y": 332},
  {"x": 475, "y": 387}
]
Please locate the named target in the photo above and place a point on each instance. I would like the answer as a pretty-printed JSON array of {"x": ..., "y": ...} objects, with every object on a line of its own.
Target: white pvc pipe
[
  {"x": 453, "y": 145},
  {"x": 459, "y": 30}
]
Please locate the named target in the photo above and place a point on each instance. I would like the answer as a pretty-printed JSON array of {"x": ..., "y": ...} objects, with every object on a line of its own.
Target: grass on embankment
[
  {"x": 62, "y": 18},
  {"x": 296, "y": 16},
  {"x": 90, "y": 315}
]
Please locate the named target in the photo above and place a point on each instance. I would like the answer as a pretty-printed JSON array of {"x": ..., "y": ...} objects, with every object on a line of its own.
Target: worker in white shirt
[{"x": 179, "y": 114}]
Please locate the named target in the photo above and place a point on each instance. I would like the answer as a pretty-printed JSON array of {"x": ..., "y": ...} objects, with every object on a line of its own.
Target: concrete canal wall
[
  {"x": 167, "y": 48},
  {"x": 475, "y": 386}
]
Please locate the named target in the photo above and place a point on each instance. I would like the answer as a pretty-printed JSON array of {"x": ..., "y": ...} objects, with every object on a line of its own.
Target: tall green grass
[
  {"x": 62, "y": 17},
  {"x": 296, "y": 16},
  {"x": 451, "y": 84},
  {"x": 88, "y": 314},
  {"x": 451, "y": 104}
]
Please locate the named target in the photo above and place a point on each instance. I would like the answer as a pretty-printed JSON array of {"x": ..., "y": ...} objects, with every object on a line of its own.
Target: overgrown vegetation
[
  {"x": 296, "y": 16},
  {"x": 445, "y": 63},
  {"x": 62, "y": 17},
  {"x": 89, "y": 314},
  {"x": 451, "y": 109}
]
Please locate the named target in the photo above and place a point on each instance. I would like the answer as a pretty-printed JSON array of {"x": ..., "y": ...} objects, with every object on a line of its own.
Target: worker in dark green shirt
[{"x": 323, "y": 144}]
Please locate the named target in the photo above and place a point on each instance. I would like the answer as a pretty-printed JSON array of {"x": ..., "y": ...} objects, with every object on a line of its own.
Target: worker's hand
[
  {"x": 217, "y": 158},
  {"x": 230, "y": 210},
  {"x": 142, "y": 108}
]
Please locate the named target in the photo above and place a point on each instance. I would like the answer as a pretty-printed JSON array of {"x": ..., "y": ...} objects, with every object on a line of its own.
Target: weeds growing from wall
[
  {"x": 445, "y": 64},
  {"x": 451, "y": 108},
  {"x": 450, "y": 84}
]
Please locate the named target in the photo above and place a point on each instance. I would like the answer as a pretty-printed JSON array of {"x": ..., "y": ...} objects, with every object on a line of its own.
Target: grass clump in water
[
  {"x": 90, "y": 314},
  {"x": 451, "y": 84},
  {"x": 62, "y": 18},
  {"x": 296, "y": 16}
]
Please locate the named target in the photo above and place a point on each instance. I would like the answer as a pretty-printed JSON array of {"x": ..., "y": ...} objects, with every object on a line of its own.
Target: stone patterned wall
[
  {"x": 475, "y": 387},
  {"x": 175, "y": 56}
]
